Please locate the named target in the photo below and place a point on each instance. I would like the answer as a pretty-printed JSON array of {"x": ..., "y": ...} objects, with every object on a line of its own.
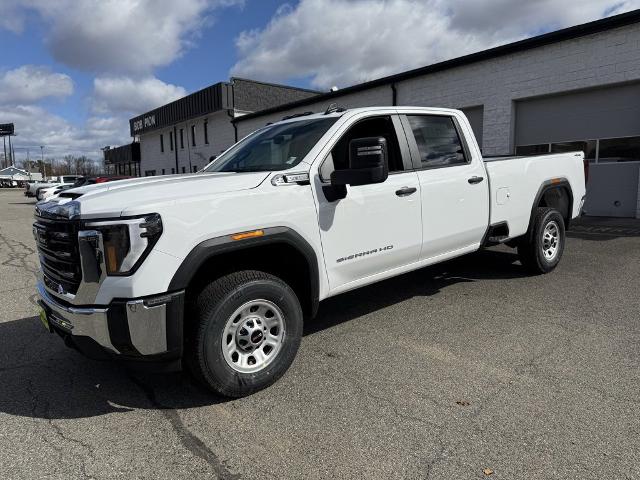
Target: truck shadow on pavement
[
  {"x": 41, "y": 378},
  {"x": 483, "y": 265}
]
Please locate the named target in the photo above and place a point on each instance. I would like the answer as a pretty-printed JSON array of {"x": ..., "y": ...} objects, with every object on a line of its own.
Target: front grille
[{"x": 57, "y": 241}]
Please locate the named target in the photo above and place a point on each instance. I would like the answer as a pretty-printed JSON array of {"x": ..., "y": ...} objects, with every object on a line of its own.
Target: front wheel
[
  {"x": 248, "y": 330},
  {"x": 541, "y": 248}
]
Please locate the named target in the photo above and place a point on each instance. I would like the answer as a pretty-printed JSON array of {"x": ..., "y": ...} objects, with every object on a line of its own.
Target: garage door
[{"x": 605, "y": 124}]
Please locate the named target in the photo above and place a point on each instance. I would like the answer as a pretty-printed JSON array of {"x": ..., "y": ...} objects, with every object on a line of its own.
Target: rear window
[{"x": 438, "y": 142}]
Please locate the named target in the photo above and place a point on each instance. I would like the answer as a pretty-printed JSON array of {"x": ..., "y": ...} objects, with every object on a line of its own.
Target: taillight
[{"x": 586, "y": 170}]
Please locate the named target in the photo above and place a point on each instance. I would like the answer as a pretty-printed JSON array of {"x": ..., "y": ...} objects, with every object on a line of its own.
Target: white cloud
[
  {"x": 120, "y": 41},
  {"x": 349, "y": 41},
  {"x": 30, "y": 83},
  {"x": 36, "y": 126},
  {"x": 131, "y": 95},
  {"x": 115, "y": 36}
]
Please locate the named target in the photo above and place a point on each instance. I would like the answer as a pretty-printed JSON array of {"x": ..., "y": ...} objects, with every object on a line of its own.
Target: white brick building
[{"x": 574, "y": 89}]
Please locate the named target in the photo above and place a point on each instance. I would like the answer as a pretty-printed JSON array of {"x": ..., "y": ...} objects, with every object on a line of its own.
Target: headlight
[
  {"x": 127, "y": 242},
  {"x": 69, "y": 209}
]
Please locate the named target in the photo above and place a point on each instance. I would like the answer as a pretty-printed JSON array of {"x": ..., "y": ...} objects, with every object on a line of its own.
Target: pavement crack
[
  {"x": 57, "y": 429},
  {"x": 17, "y": 253},
  {"x": 188, "y": 439}
]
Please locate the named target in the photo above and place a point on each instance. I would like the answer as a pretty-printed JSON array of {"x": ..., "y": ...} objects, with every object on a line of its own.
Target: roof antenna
[{"x": 333, "y": 108}]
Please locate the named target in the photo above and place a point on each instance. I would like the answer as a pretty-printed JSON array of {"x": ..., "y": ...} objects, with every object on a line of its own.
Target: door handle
[
  {"x": 475, "y": 179},
  {"x": 406, "y": 191}
]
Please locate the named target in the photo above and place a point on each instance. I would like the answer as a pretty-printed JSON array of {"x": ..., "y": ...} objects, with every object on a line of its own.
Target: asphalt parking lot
[{"x": 441, "y": 373}]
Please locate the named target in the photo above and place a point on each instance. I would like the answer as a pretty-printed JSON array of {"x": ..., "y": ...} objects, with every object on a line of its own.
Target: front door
[{"x": 376, "y": 228}]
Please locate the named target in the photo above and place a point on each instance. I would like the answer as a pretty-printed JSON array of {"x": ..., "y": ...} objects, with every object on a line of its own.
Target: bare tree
[{"x": 68, "y": 163}]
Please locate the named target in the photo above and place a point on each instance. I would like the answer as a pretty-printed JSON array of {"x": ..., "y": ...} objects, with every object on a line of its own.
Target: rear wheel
[
  {"x": 541, "y": 248},
  {"x": 247, "y": 333}
]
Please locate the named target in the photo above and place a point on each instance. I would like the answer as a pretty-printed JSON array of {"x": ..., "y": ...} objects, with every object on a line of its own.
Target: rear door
[{"x": 453, "y": 186}]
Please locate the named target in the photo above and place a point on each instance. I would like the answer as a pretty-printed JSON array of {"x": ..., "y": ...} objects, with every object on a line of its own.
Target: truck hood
[{"x": 129, "y": 197}]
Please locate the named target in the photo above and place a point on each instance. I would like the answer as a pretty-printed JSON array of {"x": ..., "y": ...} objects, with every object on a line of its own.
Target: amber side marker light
[
  {"x": 245, "y": 235},
  {"x": 555, "y": 181}
]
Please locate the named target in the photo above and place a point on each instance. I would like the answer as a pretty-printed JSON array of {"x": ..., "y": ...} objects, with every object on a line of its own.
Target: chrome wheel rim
[
  {"x": 550, "y": 240},
  {"x": 253, "y": 336}
]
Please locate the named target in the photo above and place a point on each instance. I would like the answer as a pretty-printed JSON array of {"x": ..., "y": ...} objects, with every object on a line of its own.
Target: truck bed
[{"x": 514, "y": 183}]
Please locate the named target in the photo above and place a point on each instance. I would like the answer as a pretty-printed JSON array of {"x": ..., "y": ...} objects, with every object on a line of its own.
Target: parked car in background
[
  {"x": 31, "y": 189},
  {"x": 32, "y": 186},
  {"x": 81, "y": 182},
  {"x": 62, "y": 180}
]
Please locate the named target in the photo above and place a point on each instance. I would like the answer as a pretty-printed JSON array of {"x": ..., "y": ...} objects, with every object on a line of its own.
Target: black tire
[
  {"x": 213, "y": 308},
  {"x": 531, "y": 248}
]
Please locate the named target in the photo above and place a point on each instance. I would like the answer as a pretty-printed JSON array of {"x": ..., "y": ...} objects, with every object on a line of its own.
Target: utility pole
[
  {"x": 4, "y": 160},
  {"x": 11, "y": 153}
]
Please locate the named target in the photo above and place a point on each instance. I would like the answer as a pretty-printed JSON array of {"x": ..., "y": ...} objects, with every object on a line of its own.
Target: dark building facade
[
  {"x": 184, "y": 135},
  {"x": 123, "y": 160}
]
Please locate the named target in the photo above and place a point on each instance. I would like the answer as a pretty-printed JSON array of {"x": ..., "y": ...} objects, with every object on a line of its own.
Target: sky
[{"x": 72, "y": 72}]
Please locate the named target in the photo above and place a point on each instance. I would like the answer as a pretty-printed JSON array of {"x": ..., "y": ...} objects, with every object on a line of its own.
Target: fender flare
[
  {"x": 213, "y": 247},
  {"x": 550, "y": 185}
]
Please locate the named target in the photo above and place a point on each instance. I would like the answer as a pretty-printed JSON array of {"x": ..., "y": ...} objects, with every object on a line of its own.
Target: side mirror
[{"x": 367, "y": 163}]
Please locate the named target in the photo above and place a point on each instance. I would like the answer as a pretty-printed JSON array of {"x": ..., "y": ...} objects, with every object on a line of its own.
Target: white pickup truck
[{"x": 218, "y": 270}]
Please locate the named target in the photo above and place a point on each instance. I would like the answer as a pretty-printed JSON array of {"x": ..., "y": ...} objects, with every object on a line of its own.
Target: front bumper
[{"x": 146, "y": 329}]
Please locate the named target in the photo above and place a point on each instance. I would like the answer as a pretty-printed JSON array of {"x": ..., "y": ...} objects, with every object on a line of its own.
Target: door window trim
[
  {"x": 413, "y": 144},
  {"x": 405, "y": 152}
]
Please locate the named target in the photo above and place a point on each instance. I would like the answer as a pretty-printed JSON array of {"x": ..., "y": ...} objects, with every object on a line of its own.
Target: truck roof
[{"x": 354, "y": 111}]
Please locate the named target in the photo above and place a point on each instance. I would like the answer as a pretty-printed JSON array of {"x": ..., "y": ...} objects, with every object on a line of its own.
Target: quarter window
[{"x": 438, "y": 141}]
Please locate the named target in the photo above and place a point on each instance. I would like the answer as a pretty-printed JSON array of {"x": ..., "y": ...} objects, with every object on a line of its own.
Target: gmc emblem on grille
[{"x": 40, "y": 236}]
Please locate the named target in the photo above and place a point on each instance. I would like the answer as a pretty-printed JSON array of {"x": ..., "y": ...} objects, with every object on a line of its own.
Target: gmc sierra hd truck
[{"x": 216, "y": 271}]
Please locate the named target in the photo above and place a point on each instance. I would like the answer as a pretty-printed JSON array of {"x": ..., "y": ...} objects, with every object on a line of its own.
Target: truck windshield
[{"x": 278, "y": 147}]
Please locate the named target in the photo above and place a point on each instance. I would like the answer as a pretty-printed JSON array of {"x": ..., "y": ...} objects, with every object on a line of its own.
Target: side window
[
  {"x": 382, "y": 126},
  {"x": 438, "y": 141}
]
